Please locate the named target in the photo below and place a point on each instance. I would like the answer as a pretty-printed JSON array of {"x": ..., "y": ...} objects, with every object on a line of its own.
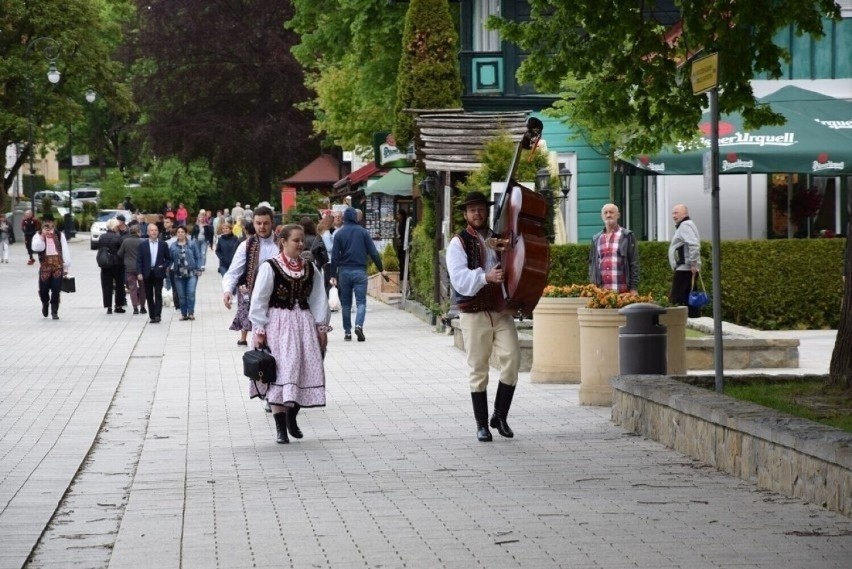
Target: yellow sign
[{"x": 705, "y": 74}]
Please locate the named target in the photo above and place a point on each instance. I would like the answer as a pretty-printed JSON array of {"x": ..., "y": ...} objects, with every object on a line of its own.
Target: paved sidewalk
[{"x": 125, "y": 444}]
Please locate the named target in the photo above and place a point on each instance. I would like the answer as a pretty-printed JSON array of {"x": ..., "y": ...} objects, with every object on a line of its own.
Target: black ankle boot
[
  {"x": 501, "y": 409},
  {"x": 480, "y": 412},
  {"x": 281, "y": 428},
  {"x": 292, "y": 426}
]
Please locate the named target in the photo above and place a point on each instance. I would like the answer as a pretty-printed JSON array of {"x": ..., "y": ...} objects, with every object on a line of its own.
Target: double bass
[{"x": 520, "y": 239}]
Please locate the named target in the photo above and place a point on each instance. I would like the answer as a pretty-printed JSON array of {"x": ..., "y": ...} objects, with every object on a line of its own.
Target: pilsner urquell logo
[
  {"x": 822, "y": 163},
  {"x": 732, "y": 161}
]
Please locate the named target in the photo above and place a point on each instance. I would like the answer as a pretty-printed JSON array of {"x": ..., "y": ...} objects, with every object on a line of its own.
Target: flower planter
[
  {"x": 598, "y": 353},
  {"x": 556, "y": 340}
]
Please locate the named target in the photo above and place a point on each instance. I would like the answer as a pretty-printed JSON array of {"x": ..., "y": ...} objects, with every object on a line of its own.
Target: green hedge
[{"x": 772, "y": 285}]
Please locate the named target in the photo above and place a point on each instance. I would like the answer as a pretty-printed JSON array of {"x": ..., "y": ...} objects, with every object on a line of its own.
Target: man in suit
[{"x": 152, "y": 260}]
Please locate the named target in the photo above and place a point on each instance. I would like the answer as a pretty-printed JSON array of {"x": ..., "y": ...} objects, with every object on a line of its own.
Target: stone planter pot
[
  {"x": 556, "y": 341},
  {"x": 675, "y": 322},
  {"x": 598, "y": 353},
  {"x": 376, "y": 285}
]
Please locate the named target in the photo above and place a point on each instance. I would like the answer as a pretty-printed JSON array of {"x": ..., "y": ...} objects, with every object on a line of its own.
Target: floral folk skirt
[{"x": 300, "y": 377}]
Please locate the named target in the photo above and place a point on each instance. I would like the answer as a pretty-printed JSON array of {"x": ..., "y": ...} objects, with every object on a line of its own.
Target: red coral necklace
[{"x": 294, "y": 265}]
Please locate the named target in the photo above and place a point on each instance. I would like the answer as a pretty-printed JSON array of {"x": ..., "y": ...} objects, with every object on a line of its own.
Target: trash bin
[{"x": 642, "y": 341}]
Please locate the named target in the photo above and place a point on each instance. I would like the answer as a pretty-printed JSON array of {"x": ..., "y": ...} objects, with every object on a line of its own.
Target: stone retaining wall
[{"x": 785, "y": 454}]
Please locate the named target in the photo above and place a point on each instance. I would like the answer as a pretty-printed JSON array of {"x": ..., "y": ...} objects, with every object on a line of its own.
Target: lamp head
[
  {"x": 53, "y": 74},
  {"x": 565, "y": 176},
  {"x": 542, "y": 179},
  {"x": 91, "y": 95}
]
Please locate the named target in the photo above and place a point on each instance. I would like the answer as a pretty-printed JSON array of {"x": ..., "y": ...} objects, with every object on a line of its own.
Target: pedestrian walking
[
  {"x": 29, "y": 227},
  {"x": 226, "y": 246},
  {"x": 684, "y": 259},
  {"x": 352, "y": 245},
  {"x": 186, "y": 269},
  {"x": 242, "y": 272},
  {"x": 54, "y": 258},
  {"x": 476, "y": 277},
  {"x": 127, "y": 252},
  {"x": 152, "y": 263},
  {"x": 7, "y": 237},
  {"x": 199, "y": 239},
  {"x": 614, "y": 256},
  {"x": 112, "y": 269},
  {"x": 289, "y": 315}
]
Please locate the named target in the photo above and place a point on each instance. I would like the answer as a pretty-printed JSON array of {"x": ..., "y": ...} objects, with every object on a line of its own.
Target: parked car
[
  {"x": 58, "y": 199},
  {"x": 99, "y": 225},
  {"x": 87, "y": 195}
]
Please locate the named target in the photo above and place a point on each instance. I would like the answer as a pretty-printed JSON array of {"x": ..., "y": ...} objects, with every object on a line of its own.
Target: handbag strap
[{"x": 700, "y": 281}]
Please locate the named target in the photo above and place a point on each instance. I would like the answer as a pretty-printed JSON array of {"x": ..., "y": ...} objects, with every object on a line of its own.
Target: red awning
[{"x": 360, "y": 175}]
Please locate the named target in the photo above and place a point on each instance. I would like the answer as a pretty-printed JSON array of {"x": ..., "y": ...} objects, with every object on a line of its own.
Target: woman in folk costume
[{"x": 289, "y": 315}]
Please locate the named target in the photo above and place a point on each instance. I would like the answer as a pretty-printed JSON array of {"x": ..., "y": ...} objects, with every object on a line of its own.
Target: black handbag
[
  {"x": 259, "y": 365},
  {"x": 69, "y": 284}
]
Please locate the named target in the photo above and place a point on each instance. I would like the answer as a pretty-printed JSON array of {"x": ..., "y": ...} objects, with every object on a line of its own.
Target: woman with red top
[{"x": 181, "y": 216}]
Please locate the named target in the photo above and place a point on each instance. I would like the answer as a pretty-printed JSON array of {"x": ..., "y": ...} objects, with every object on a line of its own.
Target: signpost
[{"x": 705, "y": 79}]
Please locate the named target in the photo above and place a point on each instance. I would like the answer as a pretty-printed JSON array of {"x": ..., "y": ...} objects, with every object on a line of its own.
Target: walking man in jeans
[{"x": 352, "y": 245}]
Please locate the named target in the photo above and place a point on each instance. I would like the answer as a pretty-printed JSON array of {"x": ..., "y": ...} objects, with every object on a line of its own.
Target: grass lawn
[{"x": 807, "y": 399}]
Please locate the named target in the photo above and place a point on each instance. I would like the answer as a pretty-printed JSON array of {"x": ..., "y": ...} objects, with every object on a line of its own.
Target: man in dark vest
[
  {"x": 29, "y": 227},
  {"x": 54, "y": 258},
  {"x": 476, "y": 277}
]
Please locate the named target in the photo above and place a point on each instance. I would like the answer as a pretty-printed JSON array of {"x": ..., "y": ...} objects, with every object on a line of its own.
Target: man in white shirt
[
  {"x": 476, "y": 277},
  {"x": 250, "y": 253}
]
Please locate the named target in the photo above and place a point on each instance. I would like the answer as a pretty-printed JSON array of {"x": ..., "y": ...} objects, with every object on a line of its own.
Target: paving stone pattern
[{"x": 125, "y": 444}]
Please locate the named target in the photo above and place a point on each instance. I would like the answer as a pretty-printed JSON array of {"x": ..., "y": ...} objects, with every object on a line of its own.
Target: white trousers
[
  {"x": 487, "y": 333},
  {"x": 4, "y": 250}
]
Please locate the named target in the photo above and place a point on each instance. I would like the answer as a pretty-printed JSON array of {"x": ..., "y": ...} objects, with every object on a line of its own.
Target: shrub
[{"x": 774, "y": 284}]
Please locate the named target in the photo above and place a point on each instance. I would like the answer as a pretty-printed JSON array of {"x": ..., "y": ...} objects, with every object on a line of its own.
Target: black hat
[
  {"x": 121, "y": 217},
  {"x": 472, "y": 198}
]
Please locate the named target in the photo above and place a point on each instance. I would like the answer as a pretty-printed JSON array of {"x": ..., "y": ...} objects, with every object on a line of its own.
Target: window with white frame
[{"x": 483, "y": 38}]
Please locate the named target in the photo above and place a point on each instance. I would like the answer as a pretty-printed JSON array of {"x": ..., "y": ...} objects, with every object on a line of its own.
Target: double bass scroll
[{"x": 520, "y": 239}]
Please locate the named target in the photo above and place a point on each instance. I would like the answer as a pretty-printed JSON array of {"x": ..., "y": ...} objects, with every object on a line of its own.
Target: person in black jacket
[
  {"x": 226, "y": 246},
  {"x": 112, "y": 274}
]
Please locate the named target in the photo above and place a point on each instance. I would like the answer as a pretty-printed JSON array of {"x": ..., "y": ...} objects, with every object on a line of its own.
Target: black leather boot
[
  {"x": 501, "y": 409},
  {"x": 480, "y": 412},
  {"x": 44, "y": 309},
  {"x": 292, "y": 426},
  {"x": 54, "y": 310},
  {"x": 281, "y": 428}
]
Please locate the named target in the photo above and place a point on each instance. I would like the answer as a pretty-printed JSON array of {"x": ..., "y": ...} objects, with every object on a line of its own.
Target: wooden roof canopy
[{"x": 449, "y": 139}]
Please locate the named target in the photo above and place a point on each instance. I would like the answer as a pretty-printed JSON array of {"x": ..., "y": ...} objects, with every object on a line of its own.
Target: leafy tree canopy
[
  {"x": 80, "y": 36},
  {"x": 429, "y": 76},
  {"x": 219, "y": 83},
  {"x": 621, "y": 66},
  {"x": 350, "y": 50}
]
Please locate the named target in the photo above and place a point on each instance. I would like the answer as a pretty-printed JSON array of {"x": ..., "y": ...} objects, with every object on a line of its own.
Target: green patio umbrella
[
  {"x": 816, "y": 139},
  {"x": 394, "y": 183}
]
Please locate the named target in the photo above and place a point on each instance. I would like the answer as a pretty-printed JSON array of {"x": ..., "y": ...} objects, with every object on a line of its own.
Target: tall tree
[
  {"x": 429, "y": 76},
  {"x": 81, "y": 36},
  {"x": 623, "y": 62},
  {"x": 220, "y": 83},
  {"x": 350, "y": 50}
]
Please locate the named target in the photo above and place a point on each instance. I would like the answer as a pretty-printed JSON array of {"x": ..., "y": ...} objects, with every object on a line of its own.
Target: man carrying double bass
[{"x": 476, "y": 277}]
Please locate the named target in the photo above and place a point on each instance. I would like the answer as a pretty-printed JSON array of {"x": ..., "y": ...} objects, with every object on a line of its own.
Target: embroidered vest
[
  {"x": 58, "y": 241},
  {"x": 487, "y": 296},
  {"x": 287, "y": 292}
]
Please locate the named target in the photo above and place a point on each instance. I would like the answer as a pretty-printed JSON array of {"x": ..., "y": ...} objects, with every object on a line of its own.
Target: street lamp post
[
  {"x": 50, "y": 48},
  {"x": 68, "y": 224}
]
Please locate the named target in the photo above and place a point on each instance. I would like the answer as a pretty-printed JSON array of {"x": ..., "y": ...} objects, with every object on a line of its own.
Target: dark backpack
[{"x": 105, "y": 258}]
